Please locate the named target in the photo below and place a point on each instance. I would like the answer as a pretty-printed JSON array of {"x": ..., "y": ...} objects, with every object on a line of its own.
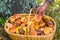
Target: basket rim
[{"x": 31, "y": 35}]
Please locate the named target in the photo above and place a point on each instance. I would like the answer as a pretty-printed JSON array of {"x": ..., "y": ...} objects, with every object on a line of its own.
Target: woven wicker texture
[{"x": 30, "y": 37}]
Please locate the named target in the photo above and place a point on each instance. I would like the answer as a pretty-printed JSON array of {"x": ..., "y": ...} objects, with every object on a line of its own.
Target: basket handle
[{"x": 32, "y": 11}]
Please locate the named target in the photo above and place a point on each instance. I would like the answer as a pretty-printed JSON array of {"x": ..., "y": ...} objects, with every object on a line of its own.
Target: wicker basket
[{"x": 30, "y": 37}]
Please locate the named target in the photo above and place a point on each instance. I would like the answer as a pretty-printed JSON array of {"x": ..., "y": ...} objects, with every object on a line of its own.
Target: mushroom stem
[{"x": 41, "y": 10}]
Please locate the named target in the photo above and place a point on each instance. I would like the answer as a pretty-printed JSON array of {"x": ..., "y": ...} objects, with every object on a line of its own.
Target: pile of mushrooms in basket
[{"x": 37, "y": 24}]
